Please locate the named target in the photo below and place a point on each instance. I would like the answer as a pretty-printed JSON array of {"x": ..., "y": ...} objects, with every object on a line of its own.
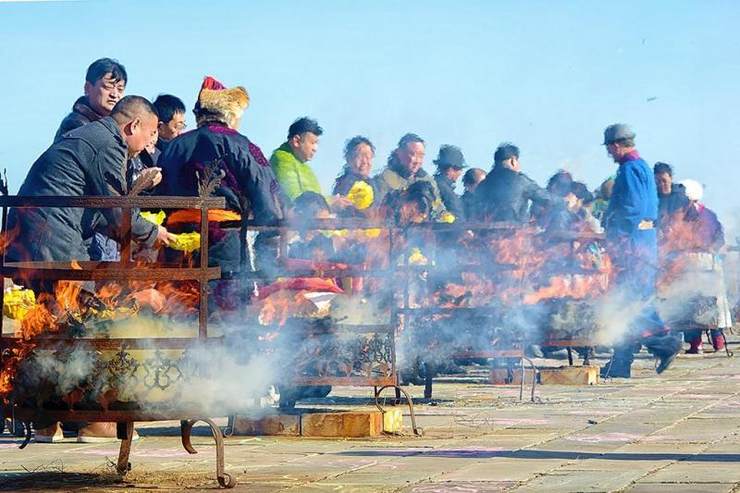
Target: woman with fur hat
[{"x": 216, "y": 147}]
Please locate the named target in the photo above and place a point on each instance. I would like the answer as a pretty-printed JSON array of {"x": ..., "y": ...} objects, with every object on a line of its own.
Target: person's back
[
  {"x": 504, "y": 195},
  {"x": 248, "y": 174},
  {"x": 74, "y": 166}
]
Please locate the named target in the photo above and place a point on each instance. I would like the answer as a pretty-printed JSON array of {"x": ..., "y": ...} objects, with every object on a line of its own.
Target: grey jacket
[{"x": 89, "y": 160}]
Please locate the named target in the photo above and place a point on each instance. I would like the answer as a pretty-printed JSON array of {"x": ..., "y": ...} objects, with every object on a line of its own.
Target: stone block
[
  {"x": 392, "y": 421},
  {"x": 570, "y": 375},
  {"x": 354, "y": 424},
  {"x": 500, "y": 376},
  {"x": 271, "y": 424}
]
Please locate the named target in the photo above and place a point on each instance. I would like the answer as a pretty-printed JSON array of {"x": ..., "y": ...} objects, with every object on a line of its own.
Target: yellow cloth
[
  {"x": 157, "y": 218},
  {"x": 186, "y": 242},
  {"x": 447, "y": 217},
  {"x": 17, "y": 303},
  {"x": 361, "y": 194},
  {"x": 417, "y": 258}
]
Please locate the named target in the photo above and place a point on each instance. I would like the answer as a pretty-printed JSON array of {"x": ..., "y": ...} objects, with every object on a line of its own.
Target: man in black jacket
[
  {"x": 671, "y": 196},
  {"x": 506, "y": 193},
  {"x": 450, "y": 163},
  {"x": 89, "y": 160},
  {"x": 105, "y": 83}
]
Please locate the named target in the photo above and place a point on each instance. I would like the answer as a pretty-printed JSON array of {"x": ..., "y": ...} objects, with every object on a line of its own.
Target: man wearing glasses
[
  {"x": 171, "y": 112},
  {"x": 105, "y": 84}
]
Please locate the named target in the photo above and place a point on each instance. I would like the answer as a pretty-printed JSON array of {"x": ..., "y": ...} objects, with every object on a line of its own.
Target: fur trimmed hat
[{"x": 215, "y": 100}]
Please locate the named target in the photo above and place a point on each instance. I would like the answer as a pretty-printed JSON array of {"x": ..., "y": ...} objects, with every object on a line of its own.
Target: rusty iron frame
[
  {"x": 517, "y": 351},
  {"x": 123, "y": 270}
]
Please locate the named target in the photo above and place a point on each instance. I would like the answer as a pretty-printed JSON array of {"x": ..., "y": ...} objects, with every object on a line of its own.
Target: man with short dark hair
[
  {"x": 86, "y": 161},
  {"x": 471, "y": 179},
  {"x": 450, "y": 163},
  {"x": 405, "y": 168},
  {"x": 506, "y": 193},
  {"x": 632, "y": 243},
  {"x": 171, "y": 111},
  {"x": 105, "y": 83},
  {"x": 290, "y": 161},
  {"x": 671, "y": 196}
]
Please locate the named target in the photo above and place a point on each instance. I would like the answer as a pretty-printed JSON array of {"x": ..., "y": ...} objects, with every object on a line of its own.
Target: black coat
[
  {"x": 249, "y": 179},
  {"x": 89, "y": 160},
  {"x": 248, "y": 174},
  {"x": 81, "y": 114},
  {"x": 470, "y": 205},
  {"x": 450, "y": 199},
  {"x": 674, "y": 201},
  {"x": 505, "y": 195}
]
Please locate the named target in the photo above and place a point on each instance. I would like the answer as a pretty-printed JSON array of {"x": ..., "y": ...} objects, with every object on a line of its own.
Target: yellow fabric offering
[
  {"x": 17, "y": 302},
  {"x": 361, "y": 194},
  {"x": 447, "y": 217},
  {"x": 157, "y": 218},
  {"x": 417, "y": 258},
  {"x": 186, "y": 242}
]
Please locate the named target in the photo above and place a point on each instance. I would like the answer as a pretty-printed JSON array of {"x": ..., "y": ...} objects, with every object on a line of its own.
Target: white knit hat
[{"x": 694, "y": 189}]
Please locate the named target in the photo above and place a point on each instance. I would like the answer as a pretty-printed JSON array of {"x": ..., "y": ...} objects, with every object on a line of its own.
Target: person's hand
[
  {"x": 153, "y": 176},
  {"x": 163, "y": 236},
  {"x": 340, "y": 202}
]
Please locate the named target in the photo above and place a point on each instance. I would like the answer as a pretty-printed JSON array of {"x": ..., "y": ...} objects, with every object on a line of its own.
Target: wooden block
[
  {"x": 271, "y": 424},
  {"x": 342, "y": 424},
  {"x": 570, "y": 375},
  {"x": 392, "y": 421},
  {"x": 500, "y": 376}
]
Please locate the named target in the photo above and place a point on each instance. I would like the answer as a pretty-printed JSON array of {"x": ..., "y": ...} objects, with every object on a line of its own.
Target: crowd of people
[{"x": 111, "y": 144}]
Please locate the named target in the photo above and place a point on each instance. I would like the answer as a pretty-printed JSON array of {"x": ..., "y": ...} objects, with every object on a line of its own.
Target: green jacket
[{"x": 294, "y": 176}]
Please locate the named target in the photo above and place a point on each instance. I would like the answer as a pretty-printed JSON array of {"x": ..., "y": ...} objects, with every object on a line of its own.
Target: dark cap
[
  {"x": 618, "y": 131},
  {"x": 450, "y": 157}
]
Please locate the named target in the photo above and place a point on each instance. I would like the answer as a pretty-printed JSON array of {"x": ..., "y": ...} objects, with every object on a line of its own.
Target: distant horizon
[{"x": 547, "y": 76}]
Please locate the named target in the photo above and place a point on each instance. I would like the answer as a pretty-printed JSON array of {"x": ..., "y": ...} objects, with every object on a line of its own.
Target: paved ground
[{"x": 678, "y": 432}]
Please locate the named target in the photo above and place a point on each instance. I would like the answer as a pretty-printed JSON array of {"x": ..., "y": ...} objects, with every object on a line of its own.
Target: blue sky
[{"x": 546, "y": 75}]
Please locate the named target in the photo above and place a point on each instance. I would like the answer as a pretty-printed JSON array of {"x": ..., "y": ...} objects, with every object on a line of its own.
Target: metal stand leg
[
  {"x": 124, "y": 431},
  {"x": 428, "y": 380},
  {"x": 534, "y": 378},
  {"x": 418, "y": 431},
  {"x": 225, "y": 480}
]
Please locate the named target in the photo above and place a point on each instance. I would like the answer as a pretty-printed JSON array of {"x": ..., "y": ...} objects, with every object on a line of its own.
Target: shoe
[
  {"x": 50, "y": 434},
  {"x": 100, "y": 433},
  {"x": 665, "y": 348},
  {"x": 695, "y": 345},
  {"x": 718, "y": 341}
]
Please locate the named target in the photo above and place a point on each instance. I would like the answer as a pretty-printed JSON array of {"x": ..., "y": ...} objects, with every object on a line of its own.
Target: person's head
[
  {"x": 472, "y": 178},
  {"x": 450, "y": 162},
  {"x": 171, "y": 111},
  {"x": 218, "y": 105},
  {"x": 303, "y": 138},
  {"x": 605, "y": 189},
  {"x": 359, "y": 153},
  {"x": 619, "y": 140},
  {"x": 413, "y": 205},
  {"x": 663, "y": 178},
  {"x": 507, "y": 156},
  {"x": 137, "y": 118},
  {"x": 311, "y": 205},
  {"x": 577, "y": 196},
  {"x": 560, "y": 183},
  {"x": 410, "y": 153},
  {"x": 105, "y": 83}
]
